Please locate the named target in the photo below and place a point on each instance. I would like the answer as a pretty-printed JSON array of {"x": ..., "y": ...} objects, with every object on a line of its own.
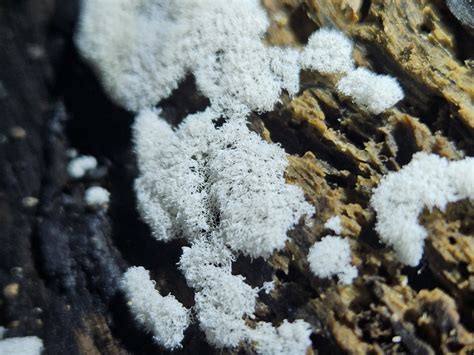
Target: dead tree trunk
[{"x": 60, "y": 261}]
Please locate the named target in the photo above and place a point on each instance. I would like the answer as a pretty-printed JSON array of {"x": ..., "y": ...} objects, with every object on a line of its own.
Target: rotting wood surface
[{"x": 60, "y": 261}]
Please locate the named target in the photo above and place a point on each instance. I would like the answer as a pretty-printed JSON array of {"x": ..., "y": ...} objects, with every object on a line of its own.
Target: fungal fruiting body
[
  {"x": 221, "y": 187},
  {"x": 428, "y": 181}
]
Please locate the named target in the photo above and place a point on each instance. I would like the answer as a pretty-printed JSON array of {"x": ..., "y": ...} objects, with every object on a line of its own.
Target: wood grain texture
[{"x": 60, "y": 261}]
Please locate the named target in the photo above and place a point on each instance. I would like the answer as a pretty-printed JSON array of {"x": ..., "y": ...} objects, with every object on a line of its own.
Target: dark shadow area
[
  {"x": 365, "y": 9},
  {"x": 369, "y": 236},
  {"x": 324, "y": 345},
  {"x": 301, "y": 24},
  {"x": 185, "y": 100},
  {"x": 294, "y": 293},
  {"x": 406, "y": 144},
  {"x": 298, "y": 137},
  {"x": 421, "y": 277},
  {"x": 246, "y": 267},
  {"x": 96, "y": 126}
]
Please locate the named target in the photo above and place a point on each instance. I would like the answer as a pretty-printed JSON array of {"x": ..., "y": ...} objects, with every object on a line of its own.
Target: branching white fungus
[
  {"x": 221, "y": 188},
  {"x": 288, "y": 338},
  {"x": 201, "y": 180},
  {"x": 375, "y": 92},
  {"x": 142, "y": 50},
  {"x": 332, "y": 256},
  {"x": 328, "y": 51},
  {"x": 164, "y": 317},
  {"x": 427, "y": 181}
]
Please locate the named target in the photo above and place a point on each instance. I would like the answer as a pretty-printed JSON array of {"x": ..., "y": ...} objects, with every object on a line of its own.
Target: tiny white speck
[
  {"x": 97, "y": 196},
  {"x": 334, "y": 224},
  {"x": 29, "y": 201},
  {"x": 268, "y": 286},
  {"x": 79, "y": 166},
  {"x": 71, "y": 153},
  {"x": 18, "y": 132}
]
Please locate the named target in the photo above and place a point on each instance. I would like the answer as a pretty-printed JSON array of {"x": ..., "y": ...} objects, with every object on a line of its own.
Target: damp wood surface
[{"x": 60, "y": 261}]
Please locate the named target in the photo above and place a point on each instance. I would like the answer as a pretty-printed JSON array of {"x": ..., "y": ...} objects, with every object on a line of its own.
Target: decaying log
[{"x": 60, "y": 260}]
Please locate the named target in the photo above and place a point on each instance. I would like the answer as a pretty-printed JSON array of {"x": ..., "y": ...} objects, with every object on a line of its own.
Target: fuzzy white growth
[
  {"x": 328, "y": 51},
  {"x": 143, "y": 49},
  {"x": 284, "y": 63},
  {"x": 375, "y": 92},
  {"x": 203, "y": 261},
  {"x": 120, "y": 39},
  {"x": 21, "y": 346},
  {"x": 249, "y": 189},
  {"x": 222, "y": 299},
  {"x": 97, "y": 196},
  {"x": 164, "y": 317},
  {"x": 233, "y": 67},
  {"x": 209, "y": 185},
  {"x": 268, "y": 287},
  {"x": 80, "y": 165},
  {"x": 332, "y": 256},
  {"x": 427, "y": 181},
  {"x": 223, "y": 189},
  {"x": 169, "y": 191},
  {"x": 334, "y": 224},
  {"x": 288, "y": 338},
  {"x": 221, "y": 306},
  {"x": 201, "y": 179}
]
